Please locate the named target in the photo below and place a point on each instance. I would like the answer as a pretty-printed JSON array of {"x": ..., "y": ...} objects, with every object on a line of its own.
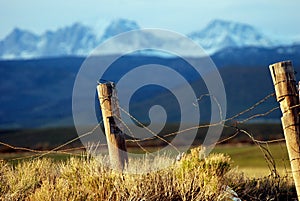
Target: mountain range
[
  {"x": 80, "y": 40},
  {"x": 38, "y": 93},
  {"x": 37, "y": 72}
]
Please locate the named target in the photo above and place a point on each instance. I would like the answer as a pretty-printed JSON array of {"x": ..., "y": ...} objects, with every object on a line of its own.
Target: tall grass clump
[{"x": 192, "y": 178}]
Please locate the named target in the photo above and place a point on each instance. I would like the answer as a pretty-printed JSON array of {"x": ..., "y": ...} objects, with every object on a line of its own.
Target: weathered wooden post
[
  {"x": 114, "y": 136},
  {"x": 287, "y": 95}
]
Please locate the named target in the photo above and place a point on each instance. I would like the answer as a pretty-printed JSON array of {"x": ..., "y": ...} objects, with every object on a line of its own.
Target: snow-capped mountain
[
  {"x": 80, "y": 40},
  {"x": 72, "y": 40},
  {"x": 19, "y": 44},
  {"x": 119, "y": 26},
  {"x": 76, "y": 39},
  {"x": 221, "y": 34}
]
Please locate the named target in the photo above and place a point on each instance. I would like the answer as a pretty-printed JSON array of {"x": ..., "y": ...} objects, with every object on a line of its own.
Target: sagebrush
[{"x": 85, "y": 178}]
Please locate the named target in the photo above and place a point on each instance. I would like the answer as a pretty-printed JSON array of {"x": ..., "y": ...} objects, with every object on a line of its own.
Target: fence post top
[
  {"x": 107, "y": 83},
  {"x": 282, "y": 64}
]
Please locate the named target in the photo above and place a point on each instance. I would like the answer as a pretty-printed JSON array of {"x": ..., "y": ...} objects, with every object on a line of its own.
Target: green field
[
  {"x": 246, "y": 157},
  {"x": 191, "y": 178},
  {"x": 250, "y": 159}
]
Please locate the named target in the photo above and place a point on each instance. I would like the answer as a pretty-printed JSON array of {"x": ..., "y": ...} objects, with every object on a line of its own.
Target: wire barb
[{"x": 263, "y": 145}]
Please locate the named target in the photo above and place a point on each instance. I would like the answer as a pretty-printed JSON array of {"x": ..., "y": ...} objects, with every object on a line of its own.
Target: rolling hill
[{"x": 38, "y": 93}]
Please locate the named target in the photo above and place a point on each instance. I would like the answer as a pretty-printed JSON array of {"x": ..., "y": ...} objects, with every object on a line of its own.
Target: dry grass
[{"x": 193, "y": 178}]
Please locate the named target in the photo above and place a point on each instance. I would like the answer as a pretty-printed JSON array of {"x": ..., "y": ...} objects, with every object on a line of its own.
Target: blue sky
[{"x": 277, "y": 17}]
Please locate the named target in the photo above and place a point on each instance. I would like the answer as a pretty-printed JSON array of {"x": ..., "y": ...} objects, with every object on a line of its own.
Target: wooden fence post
[
  {"x": 114, "y": 136},
  {"x": 287, "y": 95}
]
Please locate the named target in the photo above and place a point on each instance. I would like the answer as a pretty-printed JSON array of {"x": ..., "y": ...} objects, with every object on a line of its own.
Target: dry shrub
[
  {"x": 192, "y": 178},
  {"x": 265, "y": 188}
]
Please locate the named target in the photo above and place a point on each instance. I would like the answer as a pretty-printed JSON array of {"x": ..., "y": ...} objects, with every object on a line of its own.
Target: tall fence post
[
  {"x": 114, "y": 136},
  {"x": 287, "y": 95}
]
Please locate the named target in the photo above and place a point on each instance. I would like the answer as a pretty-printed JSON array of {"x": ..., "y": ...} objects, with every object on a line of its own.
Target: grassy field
[
  {"x": 47, "y": 138},
  {"x": 250, "y": 159},
  {"x": 192, "y": 178},
  {"x": 241, "y": 168}
]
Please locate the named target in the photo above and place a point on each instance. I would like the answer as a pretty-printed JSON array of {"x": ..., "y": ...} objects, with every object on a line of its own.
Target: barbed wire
[
  {"x": 132, "y": 134},
  {"x": 252, "y": 107},
  {"x": 263, "y": 145},
  {"x": 259, "y": 115},
  {"x": 70, "y": 141},
  {"x": 41, "y": 153},
  {"x": 149, "y": 130},
  {"x": 208, "y": 125}
]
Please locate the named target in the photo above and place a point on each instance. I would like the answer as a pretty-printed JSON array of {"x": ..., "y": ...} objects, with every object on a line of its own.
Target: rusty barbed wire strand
[
  {"x": 252, "y": 107},
  {"x": 149, "y": 130},
  {"x": 265, "y": 150},
  {"x": 259, "y": 115},
  {"x": 70, "y": 141},
  {"x": 132, "y": 134},
  {"x": 41, "y": 153},
  {"x": 214, "y": 124}
]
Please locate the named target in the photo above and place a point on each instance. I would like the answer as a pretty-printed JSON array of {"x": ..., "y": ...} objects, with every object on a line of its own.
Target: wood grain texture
[
  {"x": 114, "y": 136},
  {"x": 287, "y": 95}
]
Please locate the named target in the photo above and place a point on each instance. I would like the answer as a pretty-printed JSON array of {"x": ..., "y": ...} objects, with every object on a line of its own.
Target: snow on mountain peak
[
  {"x": 79, "y": 39},
  {"x": 229, "y": 25},
  {"x": 76, "y": 39},
  {"x": 220, "y": 34},
  {"x": 118, "y": 26}
]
